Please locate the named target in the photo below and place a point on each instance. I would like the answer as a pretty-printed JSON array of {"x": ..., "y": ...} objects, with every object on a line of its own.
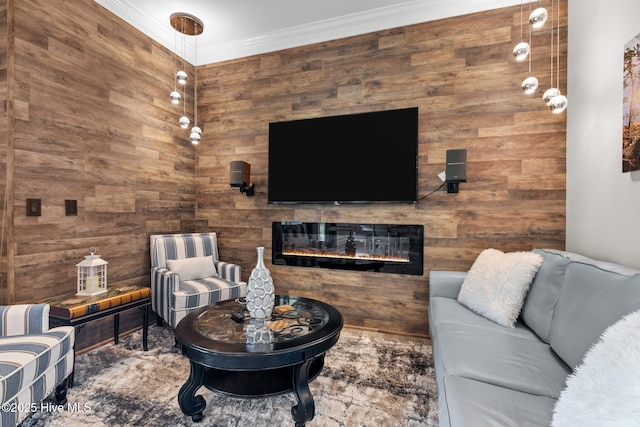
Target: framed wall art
[{"x": 631, "y": 106}]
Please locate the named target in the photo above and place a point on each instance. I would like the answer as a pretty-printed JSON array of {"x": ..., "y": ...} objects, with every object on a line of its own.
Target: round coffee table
[{"x": 234, "y": 355}]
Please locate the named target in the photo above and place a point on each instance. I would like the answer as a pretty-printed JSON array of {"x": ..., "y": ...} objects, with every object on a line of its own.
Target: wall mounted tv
[{"x": 356, "y": 158}]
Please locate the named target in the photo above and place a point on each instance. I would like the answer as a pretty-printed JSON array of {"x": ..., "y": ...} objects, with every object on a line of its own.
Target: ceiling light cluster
[
  {"x": 186, "y": 25},
  {"x": 554, "y": 99}
]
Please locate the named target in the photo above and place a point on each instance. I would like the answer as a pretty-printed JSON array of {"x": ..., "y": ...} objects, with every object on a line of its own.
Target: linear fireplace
[{"x": 385, "y": 248}]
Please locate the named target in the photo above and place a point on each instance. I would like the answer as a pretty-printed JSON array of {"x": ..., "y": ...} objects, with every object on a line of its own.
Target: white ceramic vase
[{"x": 260, "y": 291}]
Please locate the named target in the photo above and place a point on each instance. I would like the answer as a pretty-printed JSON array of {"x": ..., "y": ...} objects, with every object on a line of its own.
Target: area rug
[{"x": 368, "y": 380}]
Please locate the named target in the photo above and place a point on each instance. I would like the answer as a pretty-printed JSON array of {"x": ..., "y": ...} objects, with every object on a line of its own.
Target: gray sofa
[{"x": 492, "y": 375}]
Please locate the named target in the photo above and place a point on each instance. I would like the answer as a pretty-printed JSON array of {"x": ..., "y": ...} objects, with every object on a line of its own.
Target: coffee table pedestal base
[{"x": 253, "y": 384}]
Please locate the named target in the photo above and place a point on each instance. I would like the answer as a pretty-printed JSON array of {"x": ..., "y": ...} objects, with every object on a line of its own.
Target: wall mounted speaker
[
  {"x": 240, "y": 176},
  {"x": 456, "y": 170},
  {"x": 239, "y": 173}
]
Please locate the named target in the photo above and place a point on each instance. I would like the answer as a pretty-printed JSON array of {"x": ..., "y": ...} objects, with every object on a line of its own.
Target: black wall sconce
[{"x": 240, "y": 176}]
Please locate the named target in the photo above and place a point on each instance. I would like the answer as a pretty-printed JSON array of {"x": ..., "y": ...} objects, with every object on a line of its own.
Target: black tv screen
[{"x": 356, "y": 158}]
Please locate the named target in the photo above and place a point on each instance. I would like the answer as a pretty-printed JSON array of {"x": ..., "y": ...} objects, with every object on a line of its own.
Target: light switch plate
[{"x": 34, "y": 207}]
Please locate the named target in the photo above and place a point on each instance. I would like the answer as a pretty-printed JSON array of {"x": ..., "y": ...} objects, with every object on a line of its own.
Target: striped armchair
[
  {"x": 34, "y": 360},
  {"x": 182, "y": 278}
]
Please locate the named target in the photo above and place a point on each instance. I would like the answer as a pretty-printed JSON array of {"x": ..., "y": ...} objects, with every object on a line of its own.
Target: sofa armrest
[
  {"x": 228, "y": 271},
  {"x": 24, "y": 319},
  {"x": 445, "y": 283}
]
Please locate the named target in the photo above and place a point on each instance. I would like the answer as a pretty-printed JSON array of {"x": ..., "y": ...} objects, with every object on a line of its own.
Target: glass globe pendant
[
  {"x": 521, "y": 51},
  {"x": 530, "y": 85},
  {"x": 181, "y": 76},
  {"x": 195, "y": 135},
  {"x": 538, "y": 17},
  {"x": 549, "y": 94},
  {"x": 184, "y": 122},
  {"x": 558, "y": 104},
  {"x": 175, "y": 97}
]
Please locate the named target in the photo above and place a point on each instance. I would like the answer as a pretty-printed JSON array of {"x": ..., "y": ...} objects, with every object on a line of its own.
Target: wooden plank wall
[
  {"x": 4, "y": 141},
  {"x": 461, "y": 74},
  {"x": 93, "y": 123}
]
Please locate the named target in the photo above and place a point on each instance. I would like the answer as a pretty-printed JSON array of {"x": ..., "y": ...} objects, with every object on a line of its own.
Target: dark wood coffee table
[{"x": 248, "y": 358}]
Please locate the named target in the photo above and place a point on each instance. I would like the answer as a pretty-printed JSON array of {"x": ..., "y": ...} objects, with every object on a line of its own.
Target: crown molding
[{"x": 398, "y": 15}]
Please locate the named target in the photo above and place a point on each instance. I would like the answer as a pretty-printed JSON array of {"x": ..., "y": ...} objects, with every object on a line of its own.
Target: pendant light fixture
[
  {"x": 195, "y": 130},
  {"x": 175, "y": 95},
  {"x": 187, "y": 25},
  {"x": 559, "y": 102},
  {"x": 522, "y": 49},
  {"x": 552, "y": 91},
  {"x": 538, "y": 17},
  {"x": 530, "y": 84}
]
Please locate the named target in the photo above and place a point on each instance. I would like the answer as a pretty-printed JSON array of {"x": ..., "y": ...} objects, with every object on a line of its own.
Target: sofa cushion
[
  {"x": 477, "y": 404},
  {"x": 506, "y": 360},
  {"x": 193, "y": 268},
  {"x": 540, "y": 302},
  {"x": 497, "y": 284},
  {"x": 591, "y": 299},
  {"x": 605, "y": 388},
  {"x": 446, "y": 310}
]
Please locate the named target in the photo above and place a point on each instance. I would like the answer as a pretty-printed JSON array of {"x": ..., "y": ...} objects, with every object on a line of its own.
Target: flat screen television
[{"x": 356, "y": 158}]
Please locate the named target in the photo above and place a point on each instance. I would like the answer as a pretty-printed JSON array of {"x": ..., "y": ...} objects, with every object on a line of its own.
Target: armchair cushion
[{"x": 193, "y": 268}]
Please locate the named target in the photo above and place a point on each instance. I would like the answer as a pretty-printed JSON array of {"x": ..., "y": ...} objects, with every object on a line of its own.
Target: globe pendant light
[
  {"x": 195, "y": 135},
  {"x": 552, "y": 91},
  {"x": 181, "y": 77},
  {"x": 558, "y": 103},
  {"x": 549, "y": 94},
  {"x": 191, "y": 26},
  {"x": 175, "y": 97},
  {"x": 530, "y": 84},
  {"x": 538, "y": 17},
  {"x": 522, "y": 49},
  {"x": 195, "y": 130}
]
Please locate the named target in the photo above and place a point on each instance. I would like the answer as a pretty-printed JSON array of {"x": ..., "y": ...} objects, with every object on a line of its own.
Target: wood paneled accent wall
[
  {"x": 461, "y": 74},
  {"x": 87, "y": 118},
  {"x": 4, "y": 134},
  {"x": 92, "y": 122}
]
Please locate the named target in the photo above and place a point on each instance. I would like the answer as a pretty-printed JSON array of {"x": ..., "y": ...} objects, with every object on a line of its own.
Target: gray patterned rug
[{"x": 366, "y": 381}]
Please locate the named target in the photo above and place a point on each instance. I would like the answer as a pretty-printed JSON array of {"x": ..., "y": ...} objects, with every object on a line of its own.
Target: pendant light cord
[
  {"x": 530, "y": 30},
  {"x": 558, "y": 49},
  {"x": 552, "y": 9},
  {"x": 521, "y": 18},
  {"x": 195, "y": 82}
]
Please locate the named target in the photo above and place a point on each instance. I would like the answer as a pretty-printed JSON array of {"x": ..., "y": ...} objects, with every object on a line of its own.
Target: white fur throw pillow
[
  {"x": 604, "y": 391},
  {"x": 497, "y": 283},
  {"x": 193, "y": 268}
]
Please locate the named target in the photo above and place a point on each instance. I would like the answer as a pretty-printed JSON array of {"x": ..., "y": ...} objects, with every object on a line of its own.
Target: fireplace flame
[{"x": 324, "y": 254}]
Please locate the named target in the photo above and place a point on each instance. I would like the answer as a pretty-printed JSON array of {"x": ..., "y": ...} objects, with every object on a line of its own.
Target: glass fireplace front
[{"x": 385, "y": 248}]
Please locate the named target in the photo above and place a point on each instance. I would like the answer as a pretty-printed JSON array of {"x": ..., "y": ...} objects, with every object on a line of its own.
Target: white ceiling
[{"x": 239, "y": 28}]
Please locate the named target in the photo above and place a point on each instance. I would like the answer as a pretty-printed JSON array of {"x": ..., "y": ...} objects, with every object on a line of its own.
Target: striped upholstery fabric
[
  {"x": 171, "y": 298},
  {"x": 32, "y": 363},
  {"x": 21, "y": 319}
]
